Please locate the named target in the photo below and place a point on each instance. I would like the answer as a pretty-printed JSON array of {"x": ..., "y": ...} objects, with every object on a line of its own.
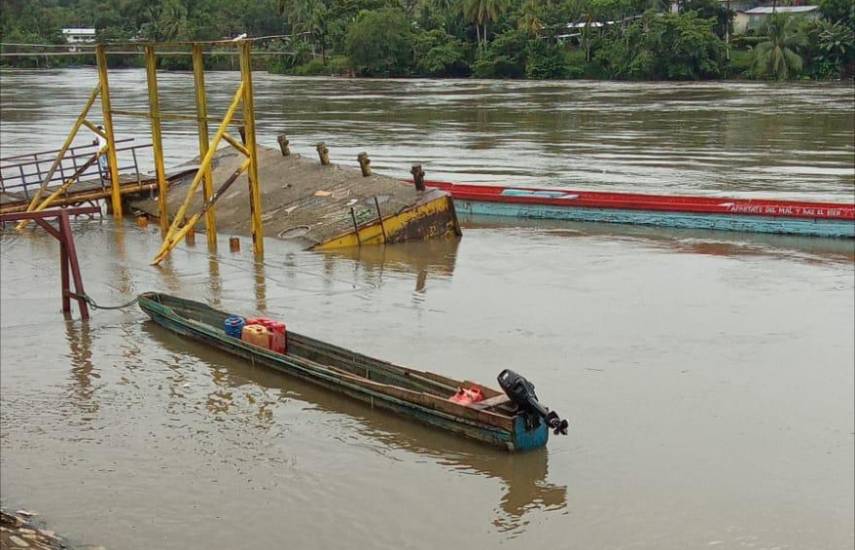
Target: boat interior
[{"x": 340, "y": 359}]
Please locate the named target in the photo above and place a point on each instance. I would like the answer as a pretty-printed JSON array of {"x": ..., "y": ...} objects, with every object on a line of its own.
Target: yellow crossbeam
[
  {"x": 236, "y": 144},
  {"x": 94, "y": 128},
  {"x": 174, "y": 116}
]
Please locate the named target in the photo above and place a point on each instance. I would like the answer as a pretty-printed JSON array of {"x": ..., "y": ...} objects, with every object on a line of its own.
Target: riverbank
[
  {"x": 570, "y": 65},
  {"x": 18, "y": 531}
]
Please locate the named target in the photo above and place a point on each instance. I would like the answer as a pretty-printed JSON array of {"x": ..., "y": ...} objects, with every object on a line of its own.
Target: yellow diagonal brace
[
  {"x": 194, "y": 219},
  {"x": 169, "y": 241},
  {"x": 74, "y": 177},
  {"x": 94, "y": 128},
  {"x": 236, "y": 144},
  {"x": 71, "y": 135}
]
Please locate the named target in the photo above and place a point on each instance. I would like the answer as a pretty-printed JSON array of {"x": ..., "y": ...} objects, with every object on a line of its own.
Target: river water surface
[{"x": 708, "y": 377}]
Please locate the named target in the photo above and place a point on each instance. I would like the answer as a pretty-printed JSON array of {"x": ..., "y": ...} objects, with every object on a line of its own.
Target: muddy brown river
[{"x": 708, "y": 377}]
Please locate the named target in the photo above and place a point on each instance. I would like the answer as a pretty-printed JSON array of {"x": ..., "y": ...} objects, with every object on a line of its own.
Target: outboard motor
[{"x": 521, "y": 392}]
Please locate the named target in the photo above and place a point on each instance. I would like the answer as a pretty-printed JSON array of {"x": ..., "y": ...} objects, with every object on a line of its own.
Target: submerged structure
[{"x": 321, "y": 206}]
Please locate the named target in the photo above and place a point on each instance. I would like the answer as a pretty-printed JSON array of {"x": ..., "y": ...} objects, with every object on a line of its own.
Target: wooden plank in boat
[{"x": 494, "y": 401}]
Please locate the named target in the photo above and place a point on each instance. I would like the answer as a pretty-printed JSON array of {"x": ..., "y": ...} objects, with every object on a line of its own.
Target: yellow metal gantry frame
[
  {"x": 181, "y": 224},
  {"x": 202, "y": 114}
]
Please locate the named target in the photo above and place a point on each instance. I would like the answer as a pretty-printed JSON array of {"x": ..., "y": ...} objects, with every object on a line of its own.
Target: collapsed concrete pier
[{"x": 322, "y": 206}]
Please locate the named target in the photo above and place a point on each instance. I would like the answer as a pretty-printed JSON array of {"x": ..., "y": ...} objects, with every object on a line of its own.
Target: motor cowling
[{"x": 521, "y": 392}]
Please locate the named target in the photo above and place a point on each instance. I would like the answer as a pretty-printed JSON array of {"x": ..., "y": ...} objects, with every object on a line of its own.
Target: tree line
[{"x": 537, "y": 39}]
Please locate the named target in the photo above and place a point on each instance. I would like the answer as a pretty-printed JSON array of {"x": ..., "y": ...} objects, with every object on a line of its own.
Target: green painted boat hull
[{"x": 322, "y": 364}]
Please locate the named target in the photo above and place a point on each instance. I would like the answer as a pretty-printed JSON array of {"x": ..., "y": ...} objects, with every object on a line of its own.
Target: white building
[
  {"x": 755, "y": 17},
  {"x": 76, "y": 36}
]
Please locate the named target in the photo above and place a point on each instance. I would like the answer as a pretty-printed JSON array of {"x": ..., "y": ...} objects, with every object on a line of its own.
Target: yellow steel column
[
  {"x": 249, "y": 125},
  {"x": 156, "y": 138},
  {"x": 202, "y": 116},
  {"x": 101, "y": 57}
]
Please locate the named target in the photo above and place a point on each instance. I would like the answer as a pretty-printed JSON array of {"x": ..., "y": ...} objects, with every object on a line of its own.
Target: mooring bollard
[
  {"x": 283, "y": 145},
  {"x": 190, "y": 238},
  {"x": 323, "y": 153},
  {"x": 364, "y": 163},
  {"x": 242, "y": 131},
  {"x": 418, "y": 176},
  {"x": 234, "y": 244}
]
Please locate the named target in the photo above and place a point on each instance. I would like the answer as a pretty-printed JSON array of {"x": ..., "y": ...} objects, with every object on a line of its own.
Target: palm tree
[
  {"x": 482, "y": 12},
  {"x": 530, "y": 21},
  {"x": 308, "y": 17},
  {"x": 776, "y": 55}
]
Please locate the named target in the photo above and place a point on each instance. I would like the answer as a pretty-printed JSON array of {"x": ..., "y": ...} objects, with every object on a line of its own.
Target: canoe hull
[{"x": 517, "y": 439}]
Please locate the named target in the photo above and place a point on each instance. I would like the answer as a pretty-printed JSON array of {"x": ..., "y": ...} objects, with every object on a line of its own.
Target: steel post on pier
[
  {"x": 183, "y": 222},
  {"x": 69, "y": 266},
  {"x": 107, "y": 114},
  {"x": 156, "y": 139},
  {"x": 249, "y": 127},
  {"x": 202, "y": 114}
]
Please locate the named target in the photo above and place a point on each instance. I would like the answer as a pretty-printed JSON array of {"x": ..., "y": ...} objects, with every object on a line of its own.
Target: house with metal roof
[{"x": 755, "y": 17}]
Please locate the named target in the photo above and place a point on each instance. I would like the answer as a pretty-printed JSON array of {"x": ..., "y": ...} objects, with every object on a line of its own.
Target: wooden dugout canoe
[
  {"x": 420, "y": 395},
  {"x": 788, "y": 217}
]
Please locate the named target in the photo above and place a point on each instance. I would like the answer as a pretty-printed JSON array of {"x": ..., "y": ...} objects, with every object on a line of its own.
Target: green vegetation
[
  {"x": 776, "y": 57},
  {"x": 538, "y": 39}
]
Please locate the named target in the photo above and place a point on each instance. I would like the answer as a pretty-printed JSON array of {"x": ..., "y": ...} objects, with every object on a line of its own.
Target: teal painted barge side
[{"x": 685, "y": 220}]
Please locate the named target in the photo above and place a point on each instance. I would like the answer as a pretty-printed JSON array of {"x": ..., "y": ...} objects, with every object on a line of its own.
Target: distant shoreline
[{"x": 846, "y": 81}]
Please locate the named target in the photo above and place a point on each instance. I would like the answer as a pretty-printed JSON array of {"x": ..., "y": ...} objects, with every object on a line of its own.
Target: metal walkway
[{"x": 22, "y": 175}]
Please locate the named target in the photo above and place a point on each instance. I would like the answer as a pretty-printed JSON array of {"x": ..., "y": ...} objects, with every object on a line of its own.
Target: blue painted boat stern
[{"x": 526, "y": 439}]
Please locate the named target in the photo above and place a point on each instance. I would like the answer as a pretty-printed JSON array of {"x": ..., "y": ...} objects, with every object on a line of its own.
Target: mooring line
[{"x": 88, "y": 299}]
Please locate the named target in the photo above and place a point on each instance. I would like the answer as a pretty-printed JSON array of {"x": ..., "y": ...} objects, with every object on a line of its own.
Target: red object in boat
[
  {"x": 278, "y": 332},
  {"x": 638, "y": 201},
  {"x": 467, "y": 396}
]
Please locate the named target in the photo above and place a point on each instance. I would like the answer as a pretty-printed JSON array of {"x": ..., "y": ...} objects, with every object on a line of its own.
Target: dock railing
[{"x": 24, "y": 174}]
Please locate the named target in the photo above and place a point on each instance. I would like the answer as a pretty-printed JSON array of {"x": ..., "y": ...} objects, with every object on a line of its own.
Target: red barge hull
[{"x": 820, "y": 219}]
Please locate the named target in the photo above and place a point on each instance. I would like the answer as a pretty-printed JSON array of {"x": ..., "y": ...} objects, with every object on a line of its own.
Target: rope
[{"x": 88, "y": 299}]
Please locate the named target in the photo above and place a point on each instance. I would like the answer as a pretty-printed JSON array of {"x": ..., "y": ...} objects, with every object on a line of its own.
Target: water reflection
[
  {"x": 260, "y": 286},
  {"x": 694, "y": 241},
  {"x": 124, "y": 277},
  {"x": 215, "y": 283},
  {"x": 422, "y": 258},
  {"x": 523, "y": 476},
  {"x": 83, "y": 373}
]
